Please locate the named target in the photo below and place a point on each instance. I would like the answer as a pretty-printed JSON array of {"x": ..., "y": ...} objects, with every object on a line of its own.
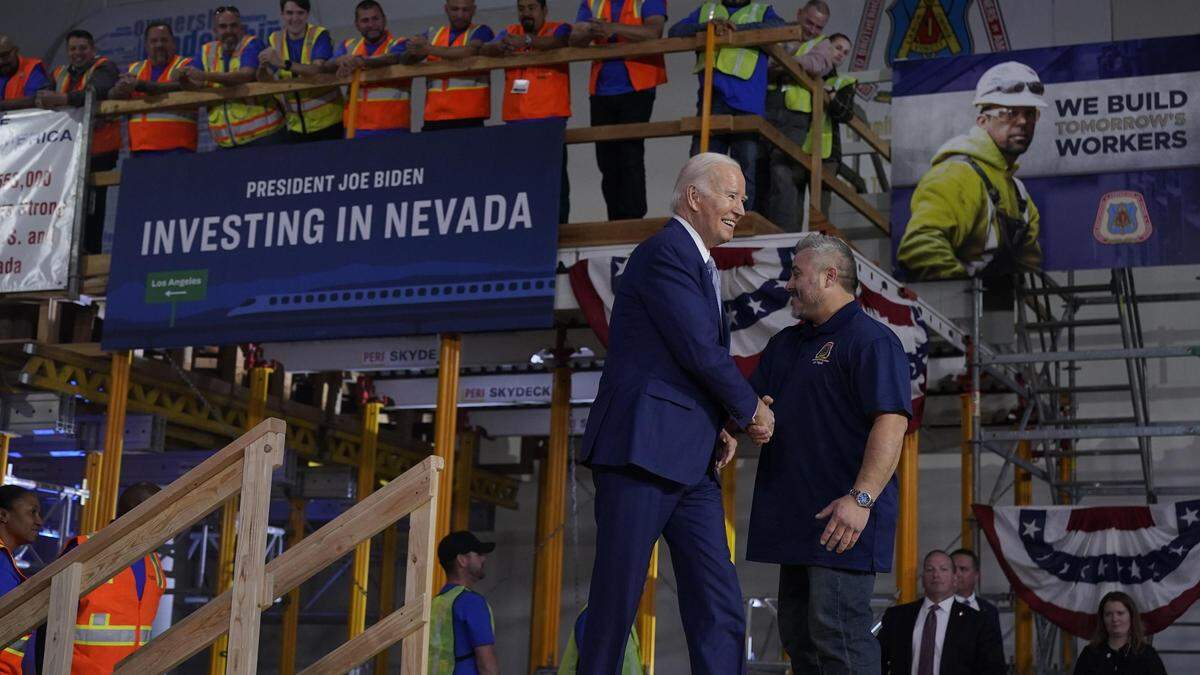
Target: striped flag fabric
[
  {"x": 756, "y": 305},
  {"x": 1061, "y": 560}
]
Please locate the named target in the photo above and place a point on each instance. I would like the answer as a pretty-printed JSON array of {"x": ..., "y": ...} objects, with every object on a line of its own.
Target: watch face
[{"x": 863, "y": 499}]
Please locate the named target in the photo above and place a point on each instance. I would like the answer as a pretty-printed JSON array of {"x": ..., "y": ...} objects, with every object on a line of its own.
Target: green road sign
[{"x": 176, "y": 286}]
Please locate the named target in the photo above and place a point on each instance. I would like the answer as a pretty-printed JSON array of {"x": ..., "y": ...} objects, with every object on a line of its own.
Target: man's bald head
[{"x": 10, "y": 56}]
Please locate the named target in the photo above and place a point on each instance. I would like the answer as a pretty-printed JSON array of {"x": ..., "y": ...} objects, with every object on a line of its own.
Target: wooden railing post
[
  {"x": 418, "y": 582},
  {"x": 291, "y": 610},
  {"x": 817, "y": 168},
  {"x": 710, "y": 38},
  {"x": 387, "y": 586},
  {"x": 60, "y": 624},
  {"x": 906, "y": 527},
  {"x": 352, "y": 106},
  {"x": 250, "y": 583},
  {"x": 361, "y": 569}
]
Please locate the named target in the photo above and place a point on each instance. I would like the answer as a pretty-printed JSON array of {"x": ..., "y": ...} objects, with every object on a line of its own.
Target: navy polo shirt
[{"x": 829, "y": 382}]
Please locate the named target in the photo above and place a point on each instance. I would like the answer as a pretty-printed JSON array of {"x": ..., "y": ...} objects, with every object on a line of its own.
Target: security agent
[
  {"x": 462, "y": 638},
  {"x": 970, "y": 214}
]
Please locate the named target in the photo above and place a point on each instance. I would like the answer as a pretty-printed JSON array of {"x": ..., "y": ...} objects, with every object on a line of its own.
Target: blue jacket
[{"x": 669, "y": 383}]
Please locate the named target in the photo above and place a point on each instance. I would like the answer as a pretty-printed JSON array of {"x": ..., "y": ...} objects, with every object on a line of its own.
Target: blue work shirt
[
  {"x": 748, "y": 96},
  {"x": 249, "y": 55},
  {"x": 10, "y": 578},
  {"x": 829, "y": 382},
  {"x": 472, "y": 628},
  {"x": 322, "y": 49},
  {"x": 614, "y": 74},
  {"x": 37, "y": 81}
]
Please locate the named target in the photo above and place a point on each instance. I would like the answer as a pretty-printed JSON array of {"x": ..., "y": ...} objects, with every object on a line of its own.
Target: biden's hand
[
  {"x": 762, "y": 427},
  {"x": 726, "y": 449}
]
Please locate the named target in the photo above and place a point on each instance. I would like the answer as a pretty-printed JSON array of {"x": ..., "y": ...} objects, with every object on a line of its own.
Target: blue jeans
[
  {"x": 825, "y": 620},
  {"x": 741, "y": 147}
]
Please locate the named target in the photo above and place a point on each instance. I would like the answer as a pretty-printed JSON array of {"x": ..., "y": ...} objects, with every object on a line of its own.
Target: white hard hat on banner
[{"x": 1010, "y": 84}]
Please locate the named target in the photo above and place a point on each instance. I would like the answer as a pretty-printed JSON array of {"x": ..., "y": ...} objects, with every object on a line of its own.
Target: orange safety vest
[
  {"x": 547, "y": 88},
  {"x": 238, "y": 122},
  {"x": 645, "y": 72},
  {"x": 11, "y": 656},
  {"x": 106, "y": 133},
  {"x": 112, "y": 621},
  {"x": 16, "y": 84},
  {"x": 381, "y": 106},
  {"x": 466, "y": 96},
  {"x": 167, "y": 130}
]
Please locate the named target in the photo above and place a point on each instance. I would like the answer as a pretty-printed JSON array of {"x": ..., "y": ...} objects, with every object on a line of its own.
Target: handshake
[{"x": 763, "y": 425}]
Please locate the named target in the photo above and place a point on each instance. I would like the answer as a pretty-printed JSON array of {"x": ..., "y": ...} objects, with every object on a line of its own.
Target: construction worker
[
  {"x": 299, "y": 49},
  {"x": 85, "y": 70},
  {"x": 384, "y": 108},
  {"x": 631, "y": 665},
  {"x": 739, "y": 76},
  {"x": 464, "y": 100},
  {"x": 21, "y": 77},
  {"x": 789, "y": 108},
  {"x": 160, "y": 132},
  {"x": 20, "y": 522},
  {"x": 622, "y": 92},
  {"x": 230, "y": 60},
  {"x": 462, "y": 631},
  {"x": 536, "y": 92},
  {"x": 115, "y": 618},
  {"x": 839, "y": 111},
  {"x": 970, "y": 214}
]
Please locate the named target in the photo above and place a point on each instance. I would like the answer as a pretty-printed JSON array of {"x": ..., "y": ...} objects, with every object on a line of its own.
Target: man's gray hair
[
  {"x": 839, "y": 253},
  {"x": 698, "y": 171}
]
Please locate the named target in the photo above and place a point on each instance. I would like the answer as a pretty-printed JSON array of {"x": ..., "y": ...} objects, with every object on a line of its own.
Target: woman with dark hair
[
  {"x": 20, "y": 522},
  {"x": 1119, "y": 646}
]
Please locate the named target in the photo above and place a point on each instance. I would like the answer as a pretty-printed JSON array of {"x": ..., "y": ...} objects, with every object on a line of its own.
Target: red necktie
[{"x": 928, "y": 642}]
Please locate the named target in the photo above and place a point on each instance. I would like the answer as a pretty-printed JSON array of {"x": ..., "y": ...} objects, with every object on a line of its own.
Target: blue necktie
[{"x": 715, "y": 277}]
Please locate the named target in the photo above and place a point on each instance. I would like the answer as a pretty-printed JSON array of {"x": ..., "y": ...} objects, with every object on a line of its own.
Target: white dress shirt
[
  {"x": 704, "y": 252},
  {"x": 943, "y": 620},
  {"x": 969, "y": 602}
]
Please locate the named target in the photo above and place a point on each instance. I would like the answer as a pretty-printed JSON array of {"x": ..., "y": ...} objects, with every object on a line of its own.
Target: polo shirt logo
[{"x": 822, "y": 356}]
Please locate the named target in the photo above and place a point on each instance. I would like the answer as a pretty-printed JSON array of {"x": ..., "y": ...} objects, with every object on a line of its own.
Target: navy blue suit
[{"x": 669, "y": 385}]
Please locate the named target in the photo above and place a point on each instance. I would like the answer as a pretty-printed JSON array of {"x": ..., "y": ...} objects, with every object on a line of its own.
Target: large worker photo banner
[
  {"x": 407, "y": 235},
  {"x": 1066, "y": 158}
]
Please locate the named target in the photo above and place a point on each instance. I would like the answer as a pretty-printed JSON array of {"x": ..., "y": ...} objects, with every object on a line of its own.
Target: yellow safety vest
[
  {"x": 738, "y": 62},
  {"x": 441, "y": 631},
  {"x": 795, "y": 97},
  {"x": 313, "y": 110},
  {"x": 630, "y": 665},
  {"x": 836, "y": 84},
  {"x": 238, "y": 122}
]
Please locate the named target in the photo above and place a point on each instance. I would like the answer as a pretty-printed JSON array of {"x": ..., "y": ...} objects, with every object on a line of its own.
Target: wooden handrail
[
  {"x": 414, "y": 492},
  {"x": 191, "y": 99},
  {"x": 242, "y": 466}
]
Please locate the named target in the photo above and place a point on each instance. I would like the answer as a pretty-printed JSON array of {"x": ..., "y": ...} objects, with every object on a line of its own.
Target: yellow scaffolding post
[
  {"x": 114, "y": 438},
  {"x": 91, "y": 481},
  {"x": 906, "y": 530},
  {"x": 460, "y": 518},
  {"x": 968, "y": 474},
  {"x": 1023, "y": 496},
  {"x": 551, "y": 518},
  {"x": 387, "y": 586},
  {"x": 291, "y": 611},
  {"x": 444, "y": 430},
  {"x": 4, "y": 439},
  {"x": 710, "y": 39},
  {"x": 256, "y": 411},
  {"x": 645, "y": 617},
  {"x": 362, "y": 551},
  {"x": 729, "y": 506}
]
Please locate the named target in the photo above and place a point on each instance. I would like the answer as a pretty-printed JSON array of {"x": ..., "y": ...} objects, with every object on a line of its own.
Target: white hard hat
[{"x": 1010, "y": 84}]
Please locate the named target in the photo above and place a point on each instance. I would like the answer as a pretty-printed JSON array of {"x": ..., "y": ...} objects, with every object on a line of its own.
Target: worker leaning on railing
[
  {"x": 384, "y": 108},
  {"x": 230, "y": 60},
  {"x": 21, "y": 77},
  {"x": 299, "y": 49},
  {"x": 159, "y": 132},
  {"x": 464, "y": 99}
]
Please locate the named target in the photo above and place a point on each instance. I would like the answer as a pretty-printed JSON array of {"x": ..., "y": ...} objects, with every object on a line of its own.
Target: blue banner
[
  {"x": 414, "y": 234},
  {"x": 1095, "y": 141}
]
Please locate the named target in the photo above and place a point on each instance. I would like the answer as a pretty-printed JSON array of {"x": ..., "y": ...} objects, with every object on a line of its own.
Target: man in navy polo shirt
[{"x": 825, "y": 500}]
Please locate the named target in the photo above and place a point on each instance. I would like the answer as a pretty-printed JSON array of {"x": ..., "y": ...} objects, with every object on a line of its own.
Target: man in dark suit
[
  {"x": 966, "y": 580},
  {"x": 937, "y": 635},
  {"x": 655, "y": 437}
]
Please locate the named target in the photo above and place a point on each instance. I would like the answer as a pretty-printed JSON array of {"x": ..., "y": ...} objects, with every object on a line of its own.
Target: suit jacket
[
  {"x": 969, "y": 648},
  {"x": 669, "y": 383},
  {"x": 992, "y": 614}
]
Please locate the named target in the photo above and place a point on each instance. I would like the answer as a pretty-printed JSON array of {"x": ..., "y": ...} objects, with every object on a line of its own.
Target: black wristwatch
[
  {"x": 863, "y": 499},
  {"x": 287, "y": 65}
]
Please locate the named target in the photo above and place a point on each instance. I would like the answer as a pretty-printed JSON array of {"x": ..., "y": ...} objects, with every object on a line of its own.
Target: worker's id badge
[{"x": 520, "y": 86}]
